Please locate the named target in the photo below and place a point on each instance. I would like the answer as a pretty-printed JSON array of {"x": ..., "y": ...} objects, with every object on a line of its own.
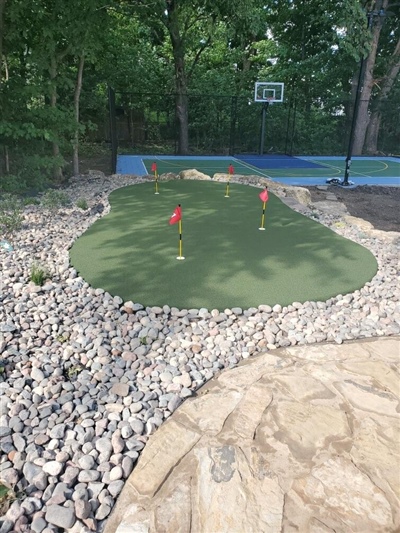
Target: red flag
[
  {"x": 231, "y": 170},
  {"x": 154, "y": 167},
  {"x": 263, "y": 195},
  {"x": 176, "y": 215}
]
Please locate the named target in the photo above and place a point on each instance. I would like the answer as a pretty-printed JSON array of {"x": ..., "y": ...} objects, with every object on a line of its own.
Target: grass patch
[{"x": 39, "y": 274}]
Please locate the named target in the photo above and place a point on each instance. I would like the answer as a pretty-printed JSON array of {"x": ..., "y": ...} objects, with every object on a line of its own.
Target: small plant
[
  {"x": 7, "y": 496},
  {"x": 73, "y": 371},
  {"x": 31, "y": 201},
  {"x": 11, "y": 216},
  {"x": 39, "y": 274},
  {"x": 61, "y": 338},
  {"x": 53, "y": 200},
  {"x": 82, "y": 204},
  {"x": 143, "y": 341}
]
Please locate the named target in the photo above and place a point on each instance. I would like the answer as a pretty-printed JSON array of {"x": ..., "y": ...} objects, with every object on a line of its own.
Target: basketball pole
[
  {"x": 113, "y": 129},
  {"x": 262, "y": 139}
]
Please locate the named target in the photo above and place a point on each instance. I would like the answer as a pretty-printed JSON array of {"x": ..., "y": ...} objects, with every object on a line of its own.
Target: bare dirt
[{"x": 378, "y": 205}]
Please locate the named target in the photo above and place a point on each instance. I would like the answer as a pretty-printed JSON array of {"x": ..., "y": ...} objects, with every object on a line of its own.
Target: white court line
[
  {"x": 253, "y": 168},
  {"x": 342, "y": 169}
]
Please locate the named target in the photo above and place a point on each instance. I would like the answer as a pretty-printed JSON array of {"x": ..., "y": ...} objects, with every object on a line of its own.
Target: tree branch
[
  {"x": 197, "y": 57},
  {"x": 191, "y": 23}
]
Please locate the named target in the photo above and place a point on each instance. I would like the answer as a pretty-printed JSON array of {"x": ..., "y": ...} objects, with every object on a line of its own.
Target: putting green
[{"x": 132, "y": 251}]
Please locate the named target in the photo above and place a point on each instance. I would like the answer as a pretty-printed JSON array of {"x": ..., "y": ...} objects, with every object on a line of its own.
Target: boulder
[
  {"x": 368, "y": 229},
  {"x": 97, "y": 174},
  {"x": 331, "y": 208},
  {"x": 221, "y": 176},
  {"x": 301, "y": 194},
  {"x": 168, "y": 176},
  {"x": 193, "y": 174}
]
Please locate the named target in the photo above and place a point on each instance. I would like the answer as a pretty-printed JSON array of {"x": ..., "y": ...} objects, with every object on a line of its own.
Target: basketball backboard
[{"x": 266, "y": 91}]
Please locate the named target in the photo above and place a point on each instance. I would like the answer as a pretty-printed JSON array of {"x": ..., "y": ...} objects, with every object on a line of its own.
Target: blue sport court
[{"x": 290, "y": 170}]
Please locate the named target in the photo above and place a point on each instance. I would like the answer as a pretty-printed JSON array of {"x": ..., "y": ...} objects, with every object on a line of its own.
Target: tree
[
  {"x": 45, "y": 42},
  {"x": 380, "y": 78},
  {"x": 368, "y": 82},
  {"x": 190, "y": 28}
]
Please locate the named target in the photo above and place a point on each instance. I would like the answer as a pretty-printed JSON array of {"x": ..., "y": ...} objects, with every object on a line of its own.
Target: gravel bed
[{"x": 87, "y": 378}]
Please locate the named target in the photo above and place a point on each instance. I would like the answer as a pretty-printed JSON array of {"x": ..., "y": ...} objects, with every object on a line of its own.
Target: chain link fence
[{"x": 225, "y": 125}]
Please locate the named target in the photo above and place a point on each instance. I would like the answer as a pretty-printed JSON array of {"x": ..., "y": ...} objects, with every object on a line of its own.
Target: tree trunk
[
  {"x": 371, "y": 140},
  {"x": 386, "y": 84},
  {"x": 182, "y": 113},
  {"x": 2, "y": 8},
  {"x": 367, "y": 84},
  {"x": 178, "y": 49},
  {"x": 57, "y": 172},
  {"x": 5, "y": 148},
  {"x": 77, "y": 95}
]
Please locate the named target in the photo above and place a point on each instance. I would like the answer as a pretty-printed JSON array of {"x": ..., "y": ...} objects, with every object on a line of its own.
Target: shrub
[
  {"x": 11, "y": 216},
  {"x": 30, "y": 200},
  {"x": 82, "y": 204},
  {"x": 12, "y": 184},
  {"x": 39, "y": 274},
  {"x": 53, "y": 200}
]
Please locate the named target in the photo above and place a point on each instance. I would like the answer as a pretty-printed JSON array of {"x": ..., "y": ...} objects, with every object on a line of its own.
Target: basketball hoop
[
  {"x": 271, "y": 92},
  {"x": 266, "y": 103},
  {"x": 267, "y": 93}
]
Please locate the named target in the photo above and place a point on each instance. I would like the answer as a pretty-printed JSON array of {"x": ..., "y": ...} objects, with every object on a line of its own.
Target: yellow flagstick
[
  {"x": 263, "y": 217},
  {"x": 156, "y": 185},
  {"x": 227, "y": 189},
  {"x": 230, "y": 172},
  {"x": 180, "y": 256}
]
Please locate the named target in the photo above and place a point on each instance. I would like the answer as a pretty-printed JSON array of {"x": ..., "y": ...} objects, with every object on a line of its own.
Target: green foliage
[
  {"x": 12, "y": 184},
  {"x": 31, "y": 200},
  {"x": 11, "y": 216},
  {"x": 7, "y": 496},
  {"x": 90, "y": 149},
  {"x": 36, "y": 170},
  {"x": 37, "y": 94},
  {"x": 82, "y": 204},
  {"x": 54, "y": 200},
  {"x": 38, "y": 274},
  {"x": 73, "y": 371},
  {"x": 221, "y": 47}
]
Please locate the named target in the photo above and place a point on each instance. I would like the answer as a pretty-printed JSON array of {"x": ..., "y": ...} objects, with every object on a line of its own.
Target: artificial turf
[{"x": 229, "y": 262}]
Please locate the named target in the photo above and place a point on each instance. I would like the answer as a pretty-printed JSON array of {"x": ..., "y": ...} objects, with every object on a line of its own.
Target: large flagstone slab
[{"x": 304, "y": 440}]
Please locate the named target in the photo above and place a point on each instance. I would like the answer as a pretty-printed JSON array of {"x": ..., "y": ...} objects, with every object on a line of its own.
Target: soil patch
[{"x": 378, "y": 205}]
